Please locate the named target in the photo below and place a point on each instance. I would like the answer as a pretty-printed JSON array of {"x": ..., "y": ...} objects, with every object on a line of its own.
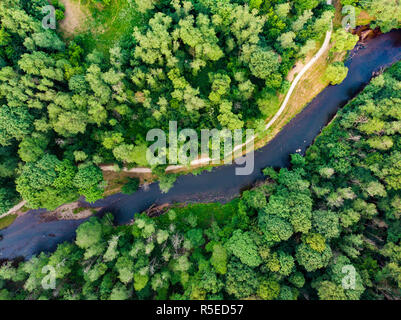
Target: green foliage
[
  {"x": 145, "y": 5},
  {"x": 87, "y": 182},
  {"x": 243, "y": 247},
  {"x": 219, "y": 258},
  {"x": 46, "y": 183},
  {"x": 205, "y": 65},
  {"x": 241, "y": 280},
  {"x": 89, "y": 234},
  {"x": 263, "y": 63},
  {"x": 311, "y": 259},
  {"x": 387, "y": 13},
  {"x": 131, "y": 186},
  {"x": 336, "y": 73},
  {"x": 167, "y": 182},
  {"x": 6, "y": 221},
  {"x": 269, "y": 289},
  {"x": 343, "y": 40},
  {"x": 326, "y": 223}
]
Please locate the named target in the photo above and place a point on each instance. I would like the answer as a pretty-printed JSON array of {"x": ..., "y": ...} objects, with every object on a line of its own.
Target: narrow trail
[
  {"x": 197, "y": 162},
  {"x": 74, "y": 15},
  {"x": 33, "y": 232},
  {"x": 298, "y": 78}
]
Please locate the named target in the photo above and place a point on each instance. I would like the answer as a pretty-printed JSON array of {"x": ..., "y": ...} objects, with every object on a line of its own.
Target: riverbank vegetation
[
  {"x": 6, "y": 221},
  {"x": 338, "y": 208},
  {"x": 384, "y": 14},
  {"x": 47, "y": 113},
  {"x": 207, "y": 64}
]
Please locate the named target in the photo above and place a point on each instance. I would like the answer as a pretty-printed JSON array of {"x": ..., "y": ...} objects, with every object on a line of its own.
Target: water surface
[{"x": 30, "y": 235}]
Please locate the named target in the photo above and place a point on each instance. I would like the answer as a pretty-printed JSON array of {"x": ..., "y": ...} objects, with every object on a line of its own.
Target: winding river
[{"x": 31, "y": 234}]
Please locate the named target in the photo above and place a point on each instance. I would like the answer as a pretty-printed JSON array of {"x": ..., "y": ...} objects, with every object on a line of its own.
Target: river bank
[{"x": 30, "y": 235}]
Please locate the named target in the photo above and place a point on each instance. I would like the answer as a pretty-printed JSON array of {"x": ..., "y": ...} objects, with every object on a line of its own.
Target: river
[{"x": 31, "y": 234}]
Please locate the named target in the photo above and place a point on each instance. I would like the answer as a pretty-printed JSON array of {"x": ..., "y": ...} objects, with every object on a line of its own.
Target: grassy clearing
[
  {"x": 7, "y": 221},
  {"x": 106, "y": 26},
  {"x": 75, "y": 18},
  {"x": 116, "y": 180},
  {"x": 204, "y": 213}
]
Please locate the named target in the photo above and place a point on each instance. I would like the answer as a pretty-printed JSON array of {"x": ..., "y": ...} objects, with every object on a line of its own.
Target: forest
[
  {"x": 288, "y": 238},
  {"x": 66, "y": 109},
  {"x": 206, "y": 64}
]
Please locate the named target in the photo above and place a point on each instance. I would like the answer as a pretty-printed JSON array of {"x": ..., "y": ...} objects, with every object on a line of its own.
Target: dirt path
[
  {"x": 15, "y": 210},
  {"x": 300, "y": 75},
  {"x": 294, "y": 84},
  {"x": 299, "y": 65},
  {"x": 75, "y": 17}
]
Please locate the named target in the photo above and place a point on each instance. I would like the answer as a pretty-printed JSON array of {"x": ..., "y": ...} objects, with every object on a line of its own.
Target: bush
[
  {"x": 167, "y": 182},
  {"x": 131, "y": 186},
  {"x": 336, "y": 73}
]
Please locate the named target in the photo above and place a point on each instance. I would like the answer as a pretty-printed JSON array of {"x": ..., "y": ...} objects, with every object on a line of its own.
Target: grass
[
  {"x": 7, "y": 221},
  {"x": 204, "y": 213},
  {"x": 78, "y": 210},
  {"x": 108, "y": 25},
  {"x": 274, "y": 105},
  {"x": 24, "y": 209},
  {"x": 116, "y": 180}
]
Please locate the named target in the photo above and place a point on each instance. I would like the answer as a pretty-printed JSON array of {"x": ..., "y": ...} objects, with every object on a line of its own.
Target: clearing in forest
[
  {"x": 100, "y": 26},
  {"x": 75, "y": 17}
]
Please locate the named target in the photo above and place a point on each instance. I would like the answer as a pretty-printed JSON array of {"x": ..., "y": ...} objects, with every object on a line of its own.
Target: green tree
[
  {"x": 243, "y": 247},
  {"x": 343, "y": 41},
  {"x": 336, "y": 73},
  {"x": 311, "y": 259},
  {"x": 263, "y": 62},
  {"x": 87, "y": 181}
]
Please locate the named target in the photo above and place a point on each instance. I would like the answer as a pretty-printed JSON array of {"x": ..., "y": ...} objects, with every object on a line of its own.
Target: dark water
[{"x": 29, "y": 235}]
